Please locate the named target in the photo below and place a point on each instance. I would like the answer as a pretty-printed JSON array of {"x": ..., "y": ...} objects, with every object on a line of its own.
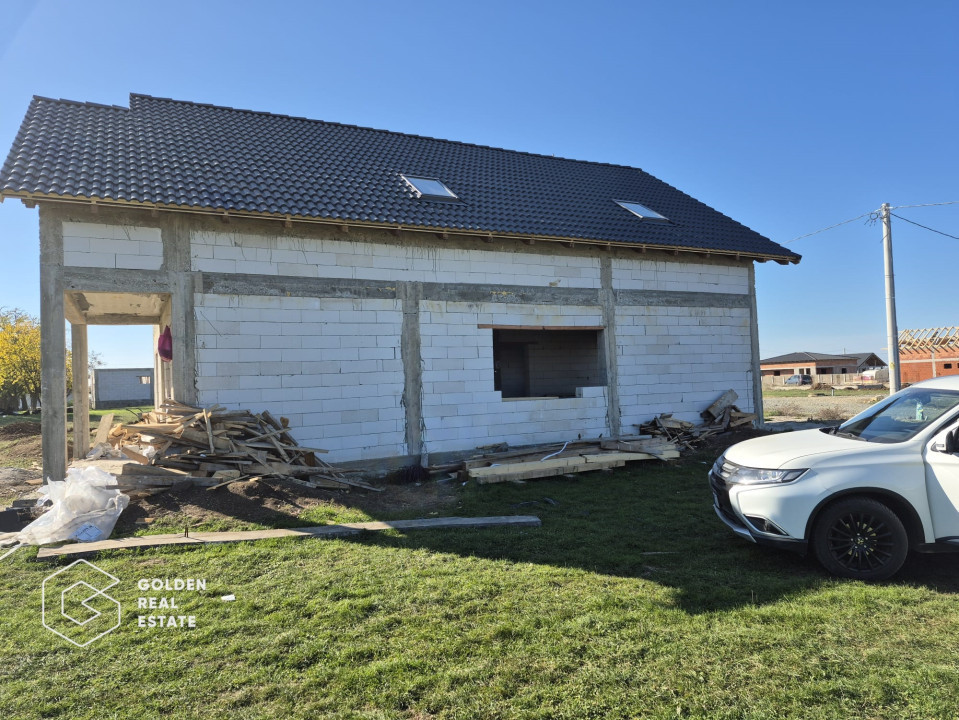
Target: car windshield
[{"x": 902, "y": 416}]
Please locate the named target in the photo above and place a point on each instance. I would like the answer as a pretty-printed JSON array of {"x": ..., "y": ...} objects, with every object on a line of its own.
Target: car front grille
[{"x": 721, "y": 498}]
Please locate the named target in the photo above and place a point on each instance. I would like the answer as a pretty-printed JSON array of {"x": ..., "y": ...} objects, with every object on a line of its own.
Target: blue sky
[{"x": 788, "y": 117}]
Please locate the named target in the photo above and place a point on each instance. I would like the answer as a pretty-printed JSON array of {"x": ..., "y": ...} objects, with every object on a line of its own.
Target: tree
[{"x": 20, "y": 365}]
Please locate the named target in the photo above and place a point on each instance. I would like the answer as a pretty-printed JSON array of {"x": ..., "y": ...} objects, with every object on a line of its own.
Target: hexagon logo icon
[{"x": 75, "y": 606}]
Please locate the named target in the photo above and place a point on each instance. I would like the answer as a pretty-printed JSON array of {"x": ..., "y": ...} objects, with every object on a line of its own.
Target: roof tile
[{"x": 182, "y": 153}]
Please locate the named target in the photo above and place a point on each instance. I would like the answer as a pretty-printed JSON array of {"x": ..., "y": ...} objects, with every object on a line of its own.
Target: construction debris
[
  {"x": 719, "y": 417},
  {"x": 661, "y": 438},
  {"x": 549, "y": 460},
  {"x": 178, "y": 445}
]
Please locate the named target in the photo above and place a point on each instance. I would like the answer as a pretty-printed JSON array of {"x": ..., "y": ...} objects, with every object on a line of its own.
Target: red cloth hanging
[{"x": 165, "y": 345}]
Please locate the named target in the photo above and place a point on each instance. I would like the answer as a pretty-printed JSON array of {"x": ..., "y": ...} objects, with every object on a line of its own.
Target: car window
[{"x": 902, "y": 416}]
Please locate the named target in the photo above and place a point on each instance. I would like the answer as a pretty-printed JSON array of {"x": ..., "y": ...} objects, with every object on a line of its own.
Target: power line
[
  {"x": 874, "y": 216},
  {"x": 900, "y": 207},
  {"x": 925, "y": 227},
  {"x": 844, "y": 222}
]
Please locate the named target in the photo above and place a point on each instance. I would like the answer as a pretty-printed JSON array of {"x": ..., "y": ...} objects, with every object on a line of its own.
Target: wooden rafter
[{"x": 940, "y": 338}]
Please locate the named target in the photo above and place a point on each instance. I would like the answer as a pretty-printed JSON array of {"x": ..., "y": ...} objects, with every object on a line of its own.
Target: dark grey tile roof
[
  {"x": 176, "y": 153},
  {"x": 801, "y": 357},
  {"x": 866, "y": 357}
]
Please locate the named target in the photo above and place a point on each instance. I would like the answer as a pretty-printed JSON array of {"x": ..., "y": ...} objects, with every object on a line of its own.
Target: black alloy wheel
[{"x": 860, "y": 538}]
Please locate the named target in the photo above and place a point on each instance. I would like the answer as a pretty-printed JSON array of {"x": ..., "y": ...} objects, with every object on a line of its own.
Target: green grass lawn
[
  {"x": 631, "y": 601},
  {"x": 13, "y": 419}
]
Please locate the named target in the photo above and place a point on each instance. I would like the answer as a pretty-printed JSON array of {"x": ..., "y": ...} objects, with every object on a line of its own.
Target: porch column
[
  {"x": 176, "y": 257},
  {"x": 53, "y": 347},
  {"x": 81, "y": 391}
]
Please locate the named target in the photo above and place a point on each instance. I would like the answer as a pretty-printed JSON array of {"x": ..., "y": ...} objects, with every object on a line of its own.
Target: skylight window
[
  {"x": 641, "y": 211},
  {"x": 429, "y": 187}
]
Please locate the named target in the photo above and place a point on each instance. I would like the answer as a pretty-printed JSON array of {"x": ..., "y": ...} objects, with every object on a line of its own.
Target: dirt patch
[
  {"x": 821, "y": 407},
  {"x": 16, "y": 452},
  {"x": 279, "y": 503},
  {"x": 18, "y": 430}
]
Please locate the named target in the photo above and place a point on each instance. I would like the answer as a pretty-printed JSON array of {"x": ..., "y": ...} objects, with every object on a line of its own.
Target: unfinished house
[
  {"x": 928, "y": 353},
  {"x": 821, "y": 366},
  {"x": 392, "y": 295}
]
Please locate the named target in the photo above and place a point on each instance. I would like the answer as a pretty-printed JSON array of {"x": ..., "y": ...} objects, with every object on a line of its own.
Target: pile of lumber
[
  {"x": 214, "y": 447},
  {"x": 719, "y": 417},
  {"x": 494, "y": 466},
  {"x": 662, "y": 438}
]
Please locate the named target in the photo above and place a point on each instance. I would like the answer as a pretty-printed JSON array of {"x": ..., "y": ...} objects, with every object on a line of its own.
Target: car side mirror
[{"x": 948, "y": 442}]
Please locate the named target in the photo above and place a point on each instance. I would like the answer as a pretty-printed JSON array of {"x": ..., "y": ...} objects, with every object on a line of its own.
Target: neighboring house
[
  {"x": 392, "y": 295},
  {"x": 815, "y": 364},
  {"x": 928, "y": 353},
  {"x": 122, "y": 387}
]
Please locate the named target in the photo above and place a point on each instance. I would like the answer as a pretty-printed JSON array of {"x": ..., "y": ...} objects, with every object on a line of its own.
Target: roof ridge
[{"x": 80, "y": 102}]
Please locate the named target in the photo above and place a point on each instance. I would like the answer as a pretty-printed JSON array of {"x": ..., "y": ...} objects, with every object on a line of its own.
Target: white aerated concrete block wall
[
  {"x": 460, "y": 407},
  {"x": 326, "y": 258},
  {"x": 332, "y": 366},
  {"x": 112, "y": 246},
  {"x": 640, "y": 274},
  {"x": 679, "y": 360}
]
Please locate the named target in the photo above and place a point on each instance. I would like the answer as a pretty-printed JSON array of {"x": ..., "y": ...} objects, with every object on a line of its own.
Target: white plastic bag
[{"x": 83, "y": 509}]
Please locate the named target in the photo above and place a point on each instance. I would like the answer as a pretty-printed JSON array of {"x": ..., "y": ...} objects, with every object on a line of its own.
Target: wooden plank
[
  {"x": 744, "y": 420},
  {"x": 716, "y": 410},
  {"x": 209, "y": 430},
  {"x": 135, "y": 456},
  {"x": 322, "y": 531},
  {"x": 103, "y": 429},
  {"x": 536, "y": 471},
  {"x": 355, "y": 483},
  {"x": 647, "y": 446},
  {"x": 302, "y": 449},
  {"x": 560, "y": 462}
]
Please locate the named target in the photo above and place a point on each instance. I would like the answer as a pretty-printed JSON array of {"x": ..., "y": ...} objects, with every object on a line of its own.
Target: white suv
[{"x": 860, "y": 495}]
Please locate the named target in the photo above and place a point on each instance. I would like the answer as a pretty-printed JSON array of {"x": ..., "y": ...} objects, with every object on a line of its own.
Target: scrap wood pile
[
  {"x": 719, "y": 417},
  {"x": 661, "y": 439},
  {"x": 213, "y": 447},
  {"x": 499, "y": 464}
]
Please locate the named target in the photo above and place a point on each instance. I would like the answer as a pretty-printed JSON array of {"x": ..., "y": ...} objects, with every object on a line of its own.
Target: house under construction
[{"x": 928, "y": 353}]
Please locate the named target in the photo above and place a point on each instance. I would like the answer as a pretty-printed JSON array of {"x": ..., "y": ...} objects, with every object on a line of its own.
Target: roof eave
[{"x": 30, "y": 199}]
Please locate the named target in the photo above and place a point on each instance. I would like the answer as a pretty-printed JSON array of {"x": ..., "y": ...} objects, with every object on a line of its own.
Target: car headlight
[{"x": 738, "y": 475}]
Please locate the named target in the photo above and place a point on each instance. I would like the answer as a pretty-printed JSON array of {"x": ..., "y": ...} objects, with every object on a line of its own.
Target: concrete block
[{"x": 90, "y": 259}]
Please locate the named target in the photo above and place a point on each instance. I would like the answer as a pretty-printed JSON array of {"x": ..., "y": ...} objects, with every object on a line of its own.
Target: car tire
[{"x": 860, "y": 538}]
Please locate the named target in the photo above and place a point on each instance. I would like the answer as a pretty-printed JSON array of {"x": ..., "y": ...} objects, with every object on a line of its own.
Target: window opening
[{"x": 546, "y": 363}]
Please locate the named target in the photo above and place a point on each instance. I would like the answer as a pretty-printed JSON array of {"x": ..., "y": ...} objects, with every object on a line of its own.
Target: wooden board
[
  {"x": 723, "y": 402},
  {"x": 543, "y": 471},
  {"x": 135, "y": 456},
  {"x": 322, "y": 531},
  {"x": 103, "y": 429}
]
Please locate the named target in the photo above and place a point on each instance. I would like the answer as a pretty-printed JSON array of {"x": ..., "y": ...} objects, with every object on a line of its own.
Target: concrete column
[
  {"x": 411, "y": 293},
  {"x": 53, "y": 346},
  {"x": 176, "y": 260},
  {"x": 754, "y": 344},
  {"x": 607, "y": 299},
  {"x": 81, "y": 391}
]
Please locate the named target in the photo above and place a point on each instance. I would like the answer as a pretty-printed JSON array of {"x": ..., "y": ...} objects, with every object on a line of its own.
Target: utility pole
[{"x": 892, "y": 331}]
